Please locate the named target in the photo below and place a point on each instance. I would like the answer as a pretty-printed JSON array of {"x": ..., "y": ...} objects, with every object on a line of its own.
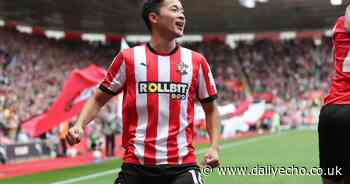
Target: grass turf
[{"x": 298, "y": 148}]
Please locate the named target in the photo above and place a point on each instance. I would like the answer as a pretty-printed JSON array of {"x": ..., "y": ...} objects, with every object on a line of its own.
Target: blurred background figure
[
  {"x": 2, "y": 155},
  {"x": 108, "y": 119},
  {"x": 63, "y": 130}
]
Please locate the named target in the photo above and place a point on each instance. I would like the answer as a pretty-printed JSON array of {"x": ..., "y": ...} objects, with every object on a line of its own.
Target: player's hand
[
  {"x": 74, "y": 135},
  {"x": 211, "y": 158}
]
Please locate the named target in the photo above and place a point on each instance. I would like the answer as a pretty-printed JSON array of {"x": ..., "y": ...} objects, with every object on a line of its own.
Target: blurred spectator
[
  {"x": 32, "y": 73},
  {"x": 2, "y": 155},
  {"x": 109, "y": 130},
  {"x": 63, "y": 130}
]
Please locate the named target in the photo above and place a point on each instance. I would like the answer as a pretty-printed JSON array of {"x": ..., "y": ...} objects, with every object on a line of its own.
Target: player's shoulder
[
  {"x": 339, "y": 24},
  {"x": 341, "y": 19},
  {"x": 129, "y": 52},
  {"x": 338, "y": 31},
  {"x": 126, "y": 51},
  {"x": 195, "y": 55}
]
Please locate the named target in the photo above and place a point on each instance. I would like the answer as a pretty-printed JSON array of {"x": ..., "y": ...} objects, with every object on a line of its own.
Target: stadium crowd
[
  {"x": 32, "y": 73},
  {"x": 291, "y": 75}
]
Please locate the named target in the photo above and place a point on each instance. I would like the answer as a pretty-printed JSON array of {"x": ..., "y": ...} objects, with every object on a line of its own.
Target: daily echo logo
[{"x": 177, "y": 91}]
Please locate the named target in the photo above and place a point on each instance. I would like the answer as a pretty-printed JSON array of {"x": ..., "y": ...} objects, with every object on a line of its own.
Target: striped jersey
[
  {"x": 159, "y": 91},
  {"x": 339, "y": 92}
]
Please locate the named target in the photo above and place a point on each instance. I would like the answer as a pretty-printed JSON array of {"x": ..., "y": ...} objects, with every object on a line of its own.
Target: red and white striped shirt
[
  {"x": 158, "y": 102},
  {"x": 339, "y": 92}
]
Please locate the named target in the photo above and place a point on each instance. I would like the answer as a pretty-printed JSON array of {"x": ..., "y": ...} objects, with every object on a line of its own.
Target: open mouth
[{"x": 180, "y": 25}]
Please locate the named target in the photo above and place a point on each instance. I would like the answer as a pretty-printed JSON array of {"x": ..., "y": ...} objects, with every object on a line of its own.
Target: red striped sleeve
[
  {"x": 206, "y": 90},
  {"x": 115, "y": 78},
  {"x": 208, "y": 77}
]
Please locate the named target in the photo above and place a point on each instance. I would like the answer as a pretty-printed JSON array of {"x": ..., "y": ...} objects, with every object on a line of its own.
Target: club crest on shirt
[{"x": 182, "y": 68}]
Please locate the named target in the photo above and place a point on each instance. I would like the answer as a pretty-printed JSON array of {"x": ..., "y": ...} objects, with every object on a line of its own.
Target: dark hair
[{"x": 148, "y": 7}]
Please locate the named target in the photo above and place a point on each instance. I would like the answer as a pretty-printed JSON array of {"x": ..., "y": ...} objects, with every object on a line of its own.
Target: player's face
[{"x": 172, "y": 18}]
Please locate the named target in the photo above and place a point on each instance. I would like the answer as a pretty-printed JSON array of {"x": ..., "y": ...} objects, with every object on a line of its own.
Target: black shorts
[
  {"x": 334, "y": 136},
  {"x": 162, "y": 174}
]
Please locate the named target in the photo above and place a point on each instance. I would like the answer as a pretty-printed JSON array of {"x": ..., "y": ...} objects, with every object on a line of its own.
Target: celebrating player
[
  {"x": 160, "y": 81},
  {"x": 335, "y": 114}
]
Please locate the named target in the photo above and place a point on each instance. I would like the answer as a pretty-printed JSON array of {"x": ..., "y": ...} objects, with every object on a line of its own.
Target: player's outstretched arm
[
  {"x": 212, "y": 118},
  {"x": 347, "y": 19},
  {"x": 89, "y": 112}
]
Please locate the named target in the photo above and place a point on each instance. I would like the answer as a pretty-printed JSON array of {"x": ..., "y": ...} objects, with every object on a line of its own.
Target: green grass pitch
[{"x": 298, "y": 148}]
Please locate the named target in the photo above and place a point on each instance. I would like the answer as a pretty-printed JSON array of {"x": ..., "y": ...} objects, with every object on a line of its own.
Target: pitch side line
[{"x": 198, "y": 152}]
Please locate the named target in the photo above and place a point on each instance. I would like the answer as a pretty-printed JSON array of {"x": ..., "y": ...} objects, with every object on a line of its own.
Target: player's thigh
[
  {"x": 342, "y": 116},
  {"x": 131, "y": 174},
  {"x": 331, "y": 140},
  {"x": 346, "y": 145},
  {"x": 190, "y": 177},
  {"x": 124, "y": 178}
]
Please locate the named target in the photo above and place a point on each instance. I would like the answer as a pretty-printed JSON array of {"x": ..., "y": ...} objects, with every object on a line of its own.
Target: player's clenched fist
[
  {"x": 211, "y": 158},
  {"x": 74, "y": 135}
]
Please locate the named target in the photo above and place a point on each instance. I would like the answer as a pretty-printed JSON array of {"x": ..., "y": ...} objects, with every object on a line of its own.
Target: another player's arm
[
  {"x": 89, "y": 112},
  {"x": 347, "y": 20}
]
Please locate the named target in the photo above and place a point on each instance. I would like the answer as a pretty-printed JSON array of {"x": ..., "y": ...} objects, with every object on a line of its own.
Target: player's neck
[{"x": 162, "y": 44}]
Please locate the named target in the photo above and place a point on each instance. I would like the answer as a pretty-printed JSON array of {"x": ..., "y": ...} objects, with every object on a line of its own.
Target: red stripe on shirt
[
  {"x": 152, "y": 109},
  {"x": 174, "y": 112}
]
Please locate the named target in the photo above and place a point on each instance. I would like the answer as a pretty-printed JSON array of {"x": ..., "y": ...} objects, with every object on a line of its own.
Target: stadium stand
[{"x": 33, "y": 70}]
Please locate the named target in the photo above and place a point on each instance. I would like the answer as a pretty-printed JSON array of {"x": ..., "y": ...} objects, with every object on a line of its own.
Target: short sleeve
[
  {"x": 206, "y": 84},
  {"x": 115, "y": 79}
]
